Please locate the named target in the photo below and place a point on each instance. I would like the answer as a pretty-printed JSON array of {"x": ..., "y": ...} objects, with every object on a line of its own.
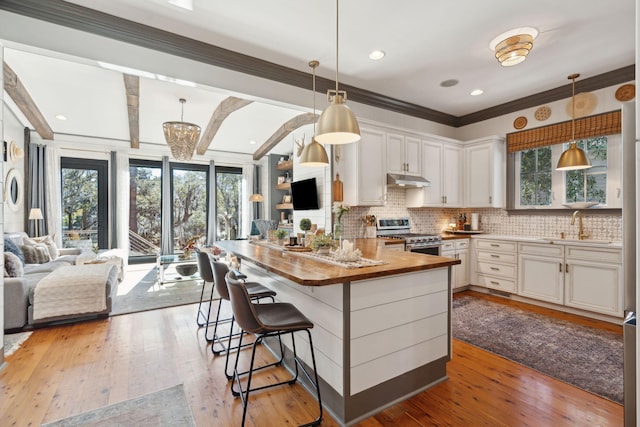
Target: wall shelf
[
  {"x": 285, "y": 166},
  {"x": 284, "y": 206},
  {"x": 284, "y": 186}
]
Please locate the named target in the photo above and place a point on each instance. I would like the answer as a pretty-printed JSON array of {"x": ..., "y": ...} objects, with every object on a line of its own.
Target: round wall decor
[
  {"x": 520, "y": 122},
  {"x": 626, "y": 92},
  {"x": 585, "y": 104},
  {"x": 542, "y": 113}
]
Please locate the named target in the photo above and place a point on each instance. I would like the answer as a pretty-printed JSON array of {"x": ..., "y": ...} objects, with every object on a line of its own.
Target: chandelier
[{"x": 181, "y": 136}]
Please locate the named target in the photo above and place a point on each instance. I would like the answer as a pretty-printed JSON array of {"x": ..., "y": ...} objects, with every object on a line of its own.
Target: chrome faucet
[{"x": 581, "y": 233}]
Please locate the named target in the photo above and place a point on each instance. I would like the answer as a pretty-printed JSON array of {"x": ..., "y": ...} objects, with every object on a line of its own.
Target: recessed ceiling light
[
  {"x": 476, "y": 92},
  {"x": 184, "y": 4},
  {"x": 376, "y": 54},
  {"x": 252, "y": 142},
  {"x": 61, "y": 117},
  {"x": 176, "y": 81},
  {"x": 449, "y": 83}
]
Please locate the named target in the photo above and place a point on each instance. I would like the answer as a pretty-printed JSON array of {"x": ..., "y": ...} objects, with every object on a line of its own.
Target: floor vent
[{"x": 500, "y": 293}]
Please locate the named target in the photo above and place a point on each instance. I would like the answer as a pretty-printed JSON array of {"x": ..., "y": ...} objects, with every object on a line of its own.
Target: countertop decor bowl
[{"x": 187, "y": 269}]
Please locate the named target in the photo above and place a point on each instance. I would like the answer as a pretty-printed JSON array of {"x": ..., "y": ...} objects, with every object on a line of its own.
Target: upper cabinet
[
  {"x": 485, "y": 173},
  {"x": 441, "y": 166},
  {"x": 362, "y": 169},
  {"x": 403, "y": 154}
]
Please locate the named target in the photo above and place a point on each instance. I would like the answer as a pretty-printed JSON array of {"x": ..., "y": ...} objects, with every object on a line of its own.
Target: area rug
[
  {"x": 167, "y": 407},
  {"x": 140, "y": 291},
  {"x": 588, "y": 358},
  {"x": 12, "y": 342}
]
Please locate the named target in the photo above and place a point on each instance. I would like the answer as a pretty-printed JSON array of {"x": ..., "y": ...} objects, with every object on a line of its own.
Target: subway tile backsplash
[{"x": 494, "y": 221}]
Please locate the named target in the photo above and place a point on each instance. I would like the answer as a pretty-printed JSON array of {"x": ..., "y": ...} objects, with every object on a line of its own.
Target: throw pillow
[
  {"x": 47, "y": 241},
  {"x": 9, "y": 246},
  {"x": 35, "y": 254},
  {"x": 12, "y": 265}
]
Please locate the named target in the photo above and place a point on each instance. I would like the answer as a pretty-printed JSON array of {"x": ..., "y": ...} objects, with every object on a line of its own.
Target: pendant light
[
  {"x": 573, "y": 158},
  {"x": 337, "y": 123},
  {"x": 181, "y": 136},
  {"x": 314, "y": 154}
]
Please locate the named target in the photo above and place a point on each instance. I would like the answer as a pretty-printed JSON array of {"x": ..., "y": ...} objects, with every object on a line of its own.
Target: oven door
[{"x": 422, "y": 249}]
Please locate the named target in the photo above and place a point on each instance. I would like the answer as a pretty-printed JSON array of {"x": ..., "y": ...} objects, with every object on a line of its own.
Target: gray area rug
[
  {"x": 140, "y": 291},
  {"x": 12, "y": 342},
  {"x": 588, "y": 358},
  {"x": 167, "y": 407}
]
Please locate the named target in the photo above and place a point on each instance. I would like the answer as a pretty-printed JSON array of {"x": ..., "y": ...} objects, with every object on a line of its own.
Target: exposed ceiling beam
[
  {"x": 132, "y": 86},
  {"x": 284, "y": 130},
  {"x": 226, "y": 107},
  {"x": 25, "y": 103}
]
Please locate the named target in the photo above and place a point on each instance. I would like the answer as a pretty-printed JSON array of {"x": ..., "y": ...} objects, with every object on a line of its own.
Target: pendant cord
[
  {"x": 337, "y": 25},
  {"x": 573, "y": 110}
]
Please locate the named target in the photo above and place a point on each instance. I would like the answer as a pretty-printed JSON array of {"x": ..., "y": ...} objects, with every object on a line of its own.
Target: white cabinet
[
  {"x": 458, "y": 249},
  {"x": 594, "y": 279},
  {"x": 582, "y": 277},
  {"x": 541, "y": 271},
  {"x": 362, "y": 171},
  {"x": 495, "y": 264},
  {"x": 403, "y": 154},
  {"x": 441, "y": 166},
  {"x": 485, "y": 167}
]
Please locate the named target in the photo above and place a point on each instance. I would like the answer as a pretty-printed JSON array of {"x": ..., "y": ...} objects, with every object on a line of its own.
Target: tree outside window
[
  {"x": 535, "y": 176},
  {"x": 589, "y": 185}
]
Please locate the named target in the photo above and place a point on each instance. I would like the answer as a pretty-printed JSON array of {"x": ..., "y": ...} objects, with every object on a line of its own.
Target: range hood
[{"x": 406, "y": 181}]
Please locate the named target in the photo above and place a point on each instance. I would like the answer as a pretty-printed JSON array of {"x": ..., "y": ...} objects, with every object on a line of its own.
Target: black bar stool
[
  {"x": 204, "y": 268},
  {"x": 256, "y": 292},
  {"x": 268, "y": 320}
]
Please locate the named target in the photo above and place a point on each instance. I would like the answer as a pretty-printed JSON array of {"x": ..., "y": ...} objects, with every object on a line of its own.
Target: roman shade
[{"x": 586, "y": 127}]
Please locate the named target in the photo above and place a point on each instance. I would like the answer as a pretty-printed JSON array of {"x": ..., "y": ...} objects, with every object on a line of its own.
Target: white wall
[{"x": 14, "y": 134}]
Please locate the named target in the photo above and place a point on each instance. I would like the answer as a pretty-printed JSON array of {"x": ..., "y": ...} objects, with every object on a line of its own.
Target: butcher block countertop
[{"x": 310, "y": 272}]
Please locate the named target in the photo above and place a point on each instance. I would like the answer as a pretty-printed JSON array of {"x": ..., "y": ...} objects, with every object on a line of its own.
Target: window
[
  {"x": 538, "y": 185},
  {"x": 145, "y": 207},
  {"x": 228, "y": 203},
  {"x": 189, "y": 190}
]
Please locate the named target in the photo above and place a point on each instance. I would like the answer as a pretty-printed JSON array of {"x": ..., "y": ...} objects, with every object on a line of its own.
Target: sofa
[{"x": 19, "y": 291}]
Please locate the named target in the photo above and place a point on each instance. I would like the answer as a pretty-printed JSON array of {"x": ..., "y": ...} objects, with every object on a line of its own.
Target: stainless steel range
[{"x": 399, "y": 228}]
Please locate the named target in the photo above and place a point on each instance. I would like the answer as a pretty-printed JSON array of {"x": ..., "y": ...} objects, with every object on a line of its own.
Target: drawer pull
[
  {"x": 495, "y": 256},
  {"x": 494, "y": 283},
  {"x": 495, "y": 245},
  {"x": 495, "y": 268}
]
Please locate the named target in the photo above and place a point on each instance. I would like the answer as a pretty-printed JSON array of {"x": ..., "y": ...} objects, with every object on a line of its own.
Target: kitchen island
[{"x": 382, "y": 332}]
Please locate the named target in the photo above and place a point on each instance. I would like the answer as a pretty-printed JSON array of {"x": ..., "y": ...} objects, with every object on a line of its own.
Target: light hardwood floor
[{"x": 66, "y": 370}]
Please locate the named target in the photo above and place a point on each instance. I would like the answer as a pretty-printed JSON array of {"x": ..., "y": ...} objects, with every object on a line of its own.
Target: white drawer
[
  {"x": 543, "y": 249},
  {"x": 593, "y": 254},
  {"x": 462, "y": 244},
  {"x": 499, "y": 283},
  {"x": 448, "y": 246},
  {"x": 496, "y": 245},
  {"x": 494, "y": 269},
  {"x": 497, "y": 257}
]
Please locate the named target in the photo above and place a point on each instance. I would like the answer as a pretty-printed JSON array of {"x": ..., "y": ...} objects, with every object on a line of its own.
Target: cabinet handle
[
  {"x": 566, "y": 268},
  {"x": 495, "y": 245},
  {"x": 445, "y": 200},
  {"x": 490, "y": 200},
  {"x": 560, "y": 267},
  {"x": 495, "y": 256},
  {"x": 495, "y": 268},
  {"x": 494, "y": 283}
]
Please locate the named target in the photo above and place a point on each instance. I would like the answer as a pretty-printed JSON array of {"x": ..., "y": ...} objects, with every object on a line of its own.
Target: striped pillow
[{"x": 35, "y": 254}]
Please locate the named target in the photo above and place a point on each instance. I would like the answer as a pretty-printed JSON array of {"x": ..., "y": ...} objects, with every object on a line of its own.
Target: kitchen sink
[{"x": 576, "y": 241}]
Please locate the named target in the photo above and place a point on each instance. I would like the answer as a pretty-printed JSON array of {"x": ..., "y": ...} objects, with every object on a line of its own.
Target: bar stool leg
[{"x": 200, "y": 313}]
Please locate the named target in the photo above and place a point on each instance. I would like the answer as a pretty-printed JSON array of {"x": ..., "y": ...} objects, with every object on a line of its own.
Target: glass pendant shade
[
  {"x": 181, "y": 137},
  {"x": 314, "y": 155},
  {"x": 573, "y": 158},
  {"x": 337, "y": 123}
]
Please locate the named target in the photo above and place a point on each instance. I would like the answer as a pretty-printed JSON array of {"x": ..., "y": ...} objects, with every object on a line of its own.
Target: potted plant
[
  {"x": 281, "y": 234},
  {"x": 322, "y": 243},
  {"x": 305, "y": 224}
]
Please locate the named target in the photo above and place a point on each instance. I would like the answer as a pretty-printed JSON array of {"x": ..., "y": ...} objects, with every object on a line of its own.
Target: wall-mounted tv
[{"x": 305, "y": 195}]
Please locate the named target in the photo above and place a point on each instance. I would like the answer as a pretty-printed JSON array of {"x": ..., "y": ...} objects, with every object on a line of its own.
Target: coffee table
[{"x": 166, "y": 265}]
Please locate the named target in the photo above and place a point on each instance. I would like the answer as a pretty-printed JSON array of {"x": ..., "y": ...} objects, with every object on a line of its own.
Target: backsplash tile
[{"x": 494, "y": 221}]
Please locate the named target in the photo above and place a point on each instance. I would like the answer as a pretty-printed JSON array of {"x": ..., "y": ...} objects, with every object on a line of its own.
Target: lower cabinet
[
  {"x": 496, "y": 264},
  {"x": 541, "y": 271},
  {"x": 459, "y": 249}
]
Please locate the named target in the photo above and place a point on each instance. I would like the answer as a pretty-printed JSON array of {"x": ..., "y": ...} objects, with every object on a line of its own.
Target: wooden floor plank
[{"x": 61, "y": 371}]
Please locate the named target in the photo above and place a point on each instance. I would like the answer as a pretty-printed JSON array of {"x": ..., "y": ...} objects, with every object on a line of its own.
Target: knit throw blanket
[{"x": 72, "y": 289}]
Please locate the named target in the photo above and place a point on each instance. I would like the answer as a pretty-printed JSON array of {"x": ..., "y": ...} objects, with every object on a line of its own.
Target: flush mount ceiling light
[
  {"x": 512, "y": 47},
  {"x": 181, "y": 136},
  {"x": 314, "y": 154},
  {"x": 337, "y": 123},
  {"x": 61, "y": 117},
  {"x": 573, "y": 157},
  {"x": 376, "y": 55}
]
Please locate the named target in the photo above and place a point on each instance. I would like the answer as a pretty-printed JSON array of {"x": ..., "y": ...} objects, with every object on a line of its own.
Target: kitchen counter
[
  {"x": 381, "y": 333},
  {"x": 309, "y": 272},
  {"x": 551, "y": 240}
]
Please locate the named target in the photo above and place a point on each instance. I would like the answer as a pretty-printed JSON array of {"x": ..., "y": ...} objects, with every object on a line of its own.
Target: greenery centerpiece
[
  {"x": 339, "y": 209},
  {"x": 322, "y": 243},
  {"x": 305, "y": 224},
  {"x": 281, "y": 234}
]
